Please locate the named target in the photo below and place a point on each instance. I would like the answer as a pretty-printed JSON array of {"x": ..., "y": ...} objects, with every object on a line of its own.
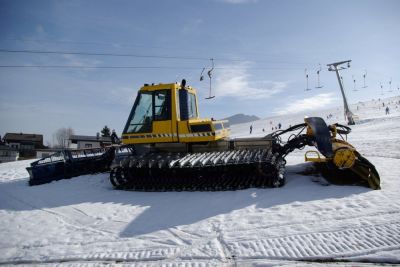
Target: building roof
[
  {"x": 23, "y": 137},
  {"x": 89, "y": 138}
]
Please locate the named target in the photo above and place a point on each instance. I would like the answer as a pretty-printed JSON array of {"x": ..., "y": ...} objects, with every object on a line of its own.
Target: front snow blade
[
  {"x": 361, "y": 173},
  {"x": 366, "y": 171}
]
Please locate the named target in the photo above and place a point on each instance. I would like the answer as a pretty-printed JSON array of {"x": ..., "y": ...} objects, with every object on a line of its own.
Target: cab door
[{"x": 162, "y": 122}]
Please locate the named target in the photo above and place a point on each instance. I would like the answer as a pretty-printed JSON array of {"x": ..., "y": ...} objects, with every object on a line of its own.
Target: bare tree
[
  {"x": 48, "y": 144},
  {"x": 62, "y": 137}
]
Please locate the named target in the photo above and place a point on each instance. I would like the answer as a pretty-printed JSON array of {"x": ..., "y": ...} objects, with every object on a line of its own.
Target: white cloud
[
  {"x": 192, "y": 25},
  {"x": 306, "y": 104},
  {"x": 77, "y": 61},
  {"x": 235, "y": 81},
  {"x": 122, "y": 95},
  {"x": 39, "y": 29}
]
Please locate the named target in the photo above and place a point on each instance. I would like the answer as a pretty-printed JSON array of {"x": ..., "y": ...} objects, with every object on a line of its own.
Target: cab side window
[
  {"x": 192, "y": 106},
  {"x": 162, "y": 105}
]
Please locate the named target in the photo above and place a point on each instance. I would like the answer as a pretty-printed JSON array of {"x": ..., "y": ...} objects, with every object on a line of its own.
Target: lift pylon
[{"x": 336, "y": 67}]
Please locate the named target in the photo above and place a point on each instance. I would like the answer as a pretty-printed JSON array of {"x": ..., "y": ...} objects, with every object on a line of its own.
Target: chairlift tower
[{"x": 335, "y": 67}]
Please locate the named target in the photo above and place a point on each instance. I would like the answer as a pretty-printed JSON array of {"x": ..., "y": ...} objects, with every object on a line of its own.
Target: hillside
[
  {"x": 83, "y": 221},
  {"x": 241, "y": 118}
]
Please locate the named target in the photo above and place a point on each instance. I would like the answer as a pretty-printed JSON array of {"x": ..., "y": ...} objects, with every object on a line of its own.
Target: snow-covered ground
[{"x": 83, "y": 221}]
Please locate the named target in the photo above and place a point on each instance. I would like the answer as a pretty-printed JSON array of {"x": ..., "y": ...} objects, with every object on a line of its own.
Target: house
[
  {"x": 8, "y": 154},
  {"x": 45, "y": 152},
  {"x": 85, "y": 141},
  {"x": 24, "y": 143}
]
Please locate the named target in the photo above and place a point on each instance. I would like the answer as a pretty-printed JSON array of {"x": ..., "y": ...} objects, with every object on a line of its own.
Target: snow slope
[{"x": 83, "y": 221}]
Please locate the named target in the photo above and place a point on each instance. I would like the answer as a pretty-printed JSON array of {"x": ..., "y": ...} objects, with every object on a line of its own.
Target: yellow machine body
[{"x": 168, "y": 113}]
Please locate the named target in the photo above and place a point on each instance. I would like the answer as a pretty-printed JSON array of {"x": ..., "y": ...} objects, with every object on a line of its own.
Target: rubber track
[{"x": 210, "y": 171}]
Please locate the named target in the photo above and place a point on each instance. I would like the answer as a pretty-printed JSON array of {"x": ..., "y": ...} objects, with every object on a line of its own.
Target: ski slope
[{"x": 84, "y": 222}]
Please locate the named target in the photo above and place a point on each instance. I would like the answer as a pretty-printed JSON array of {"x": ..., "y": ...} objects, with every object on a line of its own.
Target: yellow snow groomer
[
  {"x": 172, "y": 148},
  {"x": 166, "y": 146}
]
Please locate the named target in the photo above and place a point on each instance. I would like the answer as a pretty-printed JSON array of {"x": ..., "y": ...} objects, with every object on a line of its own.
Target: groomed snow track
[{"x": 341, "y": 246}]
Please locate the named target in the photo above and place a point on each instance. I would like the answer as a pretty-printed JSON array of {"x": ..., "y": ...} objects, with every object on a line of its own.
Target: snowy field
[{"x": 83, "y": 221}]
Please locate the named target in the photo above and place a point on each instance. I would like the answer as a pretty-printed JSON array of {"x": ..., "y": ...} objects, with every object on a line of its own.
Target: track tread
[{"x": 210, "y": 171}]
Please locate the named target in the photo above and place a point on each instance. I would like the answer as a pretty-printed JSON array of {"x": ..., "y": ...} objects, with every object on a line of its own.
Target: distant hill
[{"x": 241, "y": 118}]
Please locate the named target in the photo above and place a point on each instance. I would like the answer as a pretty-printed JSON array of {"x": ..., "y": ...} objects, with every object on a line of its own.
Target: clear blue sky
[{"x": 261, "y": 49}]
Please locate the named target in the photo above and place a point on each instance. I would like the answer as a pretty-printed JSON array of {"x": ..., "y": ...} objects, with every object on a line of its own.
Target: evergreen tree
[{"x": 105, "y": 132}]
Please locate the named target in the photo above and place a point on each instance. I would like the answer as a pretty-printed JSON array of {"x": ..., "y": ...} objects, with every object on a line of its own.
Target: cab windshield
[{"x": 149, "y": 106}]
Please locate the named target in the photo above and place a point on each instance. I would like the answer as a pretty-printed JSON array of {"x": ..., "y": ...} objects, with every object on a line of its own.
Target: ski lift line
[
  {"x": 87, "y": 43},
  {"x": 137, "y": 67},
  {"x": 92, "y": 67},
  {"x": 140, "y": 45},
  {"x": 2, "y": 50},
  {"x": 98, "y": 54},
  {"x": 381, "y": 75}
]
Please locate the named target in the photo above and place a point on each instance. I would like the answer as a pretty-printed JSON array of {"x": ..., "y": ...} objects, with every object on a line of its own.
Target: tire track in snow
[
  {"x": 320, "y": 220},
  {"x": 223, "y": 246},
  {"x": 179, "y": 240},
  {"x": 63, "y": 219},
  {"x": 321, "y": 245}
]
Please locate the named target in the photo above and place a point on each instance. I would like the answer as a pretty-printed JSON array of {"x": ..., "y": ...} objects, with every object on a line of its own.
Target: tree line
[{"x": 62, "y": 137}]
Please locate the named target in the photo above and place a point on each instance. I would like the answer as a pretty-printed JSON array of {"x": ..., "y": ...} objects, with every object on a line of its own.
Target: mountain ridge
[{"x": 241, "y": 118}]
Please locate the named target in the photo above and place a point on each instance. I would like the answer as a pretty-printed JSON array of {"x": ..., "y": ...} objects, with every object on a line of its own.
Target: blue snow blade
[{"x": 70, "y": 163}]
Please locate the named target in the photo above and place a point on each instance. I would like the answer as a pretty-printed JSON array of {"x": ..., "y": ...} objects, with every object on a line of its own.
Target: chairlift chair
[
  {"x": 364, "y": 75},
  {"x": 318, "y": 82},
  {"x": 390, "y": 86},
  {"x": 307, "y": 88},
  {"x": 354, "y": 81},
  {"x": 209, "y": 73}
]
